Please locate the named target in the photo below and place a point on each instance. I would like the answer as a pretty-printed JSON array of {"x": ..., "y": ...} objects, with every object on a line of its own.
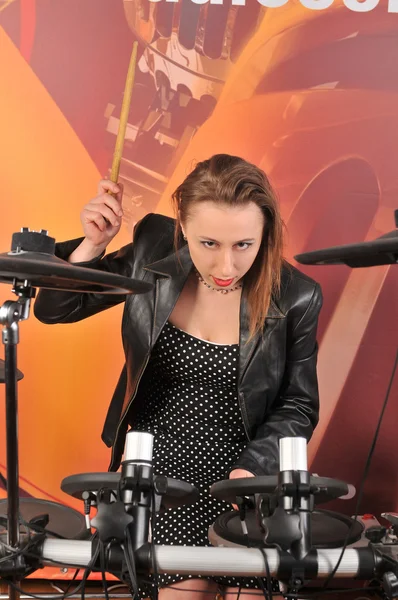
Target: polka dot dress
[{"x": 191, "y": 407}]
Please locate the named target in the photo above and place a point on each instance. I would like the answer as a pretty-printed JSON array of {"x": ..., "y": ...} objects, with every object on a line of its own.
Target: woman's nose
[{"x": 226, "y": 265}]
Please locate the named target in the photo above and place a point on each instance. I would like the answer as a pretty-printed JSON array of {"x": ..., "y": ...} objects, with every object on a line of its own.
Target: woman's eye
[
  {"x": 209, "y": 244},
  {"x": 243, "y": 245}
]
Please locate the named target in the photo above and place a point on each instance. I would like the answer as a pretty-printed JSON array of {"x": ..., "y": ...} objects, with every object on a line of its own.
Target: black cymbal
[
  {"x": 63, "y": 520},
  {"x": 3, "y": 375},
  {"x": 382, "y": 251},
  {"x": 49, "y": 272},
  {"x": 178, "y": 493},
  {"x": 229, "y": 489}
]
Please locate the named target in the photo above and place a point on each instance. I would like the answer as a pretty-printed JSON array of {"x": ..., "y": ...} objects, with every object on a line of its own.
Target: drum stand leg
[
  {"x": 10, "y": 314},
  {"x": 10, "y": 339}
]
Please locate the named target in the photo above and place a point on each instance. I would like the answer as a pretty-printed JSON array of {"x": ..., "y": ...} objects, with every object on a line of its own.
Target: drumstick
[{"x": 117, "y": 155}]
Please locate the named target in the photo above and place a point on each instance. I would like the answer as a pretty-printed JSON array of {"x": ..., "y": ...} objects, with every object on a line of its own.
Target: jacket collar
[
  {"x": 179, "y": 264},
  {"x": 174, "y": 265},
  {"x": 174, "y": 270}
]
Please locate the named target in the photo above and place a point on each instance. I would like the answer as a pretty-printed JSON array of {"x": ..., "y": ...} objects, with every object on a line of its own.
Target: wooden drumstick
[{"x": 128, "y": 90}]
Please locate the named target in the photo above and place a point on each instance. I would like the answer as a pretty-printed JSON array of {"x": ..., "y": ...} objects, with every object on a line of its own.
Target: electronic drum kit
[{"x": 278, "y": 530}]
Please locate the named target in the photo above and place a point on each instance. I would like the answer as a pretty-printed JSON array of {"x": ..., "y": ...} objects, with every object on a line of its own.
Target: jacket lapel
[
  {"x": 247, "y": 346},
  {"x": 173, "y": 272}
]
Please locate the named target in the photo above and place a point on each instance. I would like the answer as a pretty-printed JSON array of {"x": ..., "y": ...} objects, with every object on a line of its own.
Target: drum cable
[
  {"x": 154, "y": 584},
  {"x": 32, "y": 542},
  {"x": 78, "y": 588},
  {"x": 101, "y": 544},
  {"x": 155, "y": 587},
  {"x": 103, "y": 570},
  {"x": 128, "y": 552},
  {"x": 130, "y": 563},
  {"x": 87, "y": 572},
  {"x": 268, "y": 571},
  {"x": 75, "y": 574},
  {"x": 266, "y": 591}
]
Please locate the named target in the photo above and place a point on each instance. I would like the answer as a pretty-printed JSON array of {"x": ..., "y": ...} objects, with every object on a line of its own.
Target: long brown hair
[{"x": 233, "y": 181}]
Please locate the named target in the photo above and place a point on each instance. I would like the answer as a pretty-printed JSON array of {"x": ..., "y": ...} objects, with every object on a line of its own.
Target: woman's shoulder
[
  {"x": 298, "y": 290},
  {"x": 155, "y": 224},
  {"x": 154, "y": 230}
]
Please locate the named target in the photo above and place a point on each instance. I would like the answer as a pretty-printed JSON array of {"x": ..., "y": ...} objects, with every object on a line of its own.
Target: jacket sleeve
[
  {"x": 56, "y": 306},
  {"x": 296, "y": 411}
]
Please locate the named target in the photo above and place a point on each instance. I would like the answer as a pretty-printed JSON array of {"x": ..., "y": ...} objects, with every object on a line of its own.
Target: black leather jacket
[{"x": 277, "y": 383}]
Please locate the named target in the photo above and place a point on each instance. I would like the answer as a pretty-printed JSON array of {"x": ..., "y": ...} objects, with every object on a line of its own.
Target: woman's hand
[
  {"x": 101, "y": 219},
  {"x": 238, "y": 474}
]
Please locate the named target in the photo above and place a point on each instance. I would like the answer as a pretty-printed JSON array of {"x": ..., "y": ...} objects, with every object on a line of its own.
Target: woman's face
[{"x": 223, "y": 241}]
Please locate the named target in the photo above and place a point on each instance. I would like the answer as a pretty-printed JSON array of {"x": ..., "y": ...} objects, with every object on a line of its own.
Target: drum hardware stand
[
  {"x": 31, "y": 263},
  {"x": 392, "y": 518},
  {"x": 285, "y": 518},
  {"x": 288, "y": 524},
  {"x": 372, "y": 561},
  {"x": 385, "y": 541},
  {"x": 137, "y": 485},
  {"x": 132, "y": 506},
  {"x": 128, "y": 516},
  {"x": 11, "y": 313}
]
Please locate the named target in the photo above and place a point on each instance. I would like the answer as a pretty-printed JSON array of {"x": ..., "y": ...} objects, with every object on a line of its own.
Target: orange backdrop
[{"x": 309, "y": 95}]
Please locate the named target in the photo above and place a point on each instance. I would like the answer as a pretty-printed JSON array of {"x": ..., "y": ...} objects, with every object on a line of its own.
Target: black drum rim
[
  {"x": 229, "y": 489},
  {"x": 179, "y": 493},
  {"x": 221, "y": 530}
]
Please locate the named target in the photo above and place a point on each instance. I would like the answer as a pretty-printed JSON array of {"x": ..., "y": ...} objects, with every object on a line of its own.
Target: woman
[{"x": 221, "y": 356}]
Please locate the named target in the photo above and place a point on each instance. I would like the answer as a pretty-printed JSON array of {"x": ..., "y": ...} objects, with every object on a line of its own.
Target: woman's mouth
[{"x": 222, "y": 282}]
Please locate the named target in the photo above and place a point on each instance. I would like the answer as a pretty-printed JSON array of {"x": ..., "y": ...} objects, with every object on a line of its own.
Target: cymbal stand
[{"x": 11, "y": 313}]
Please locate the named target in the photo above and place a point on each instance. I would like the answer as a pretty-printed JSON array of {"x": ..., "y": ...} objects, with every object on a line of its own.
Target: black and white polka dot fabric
[{"x": 192, "y": 409}]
